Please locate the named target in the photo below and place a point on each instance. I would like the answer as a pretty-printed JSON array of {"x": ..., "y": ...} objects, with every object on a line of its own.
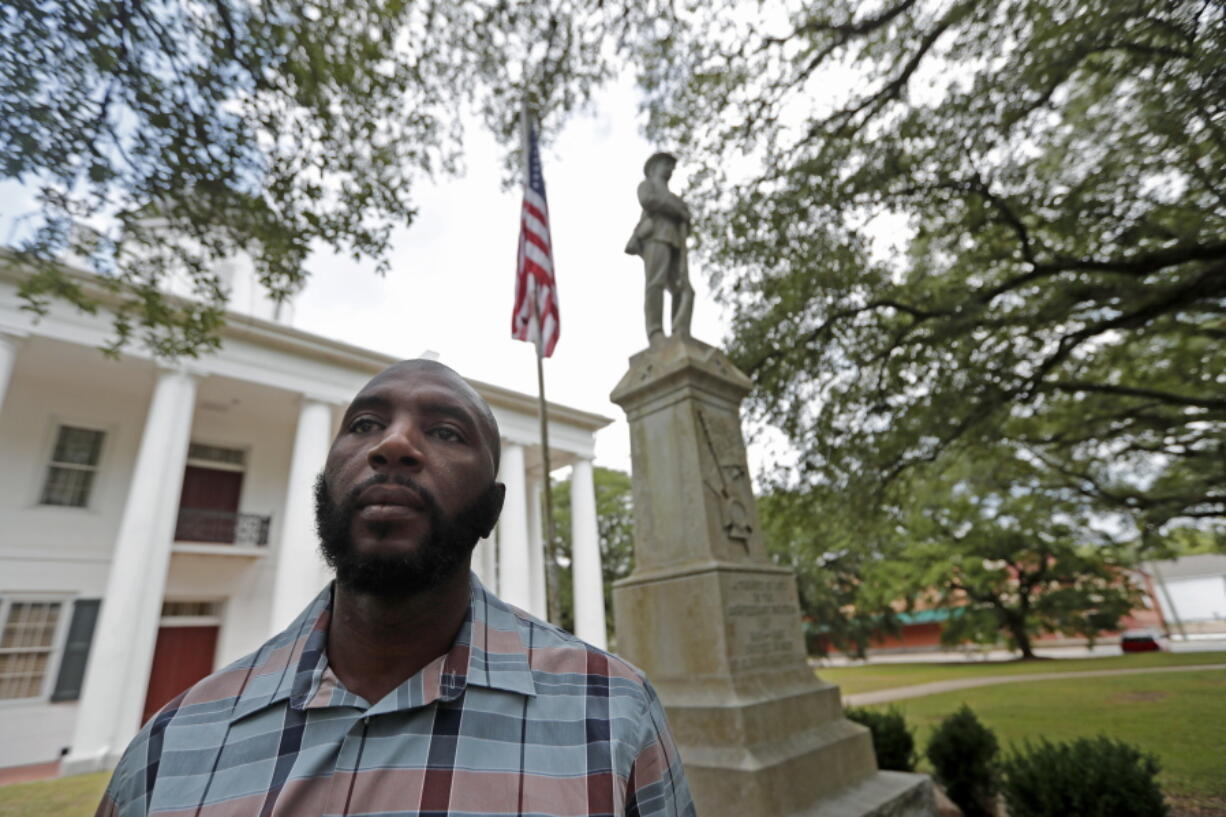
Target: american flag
[{"x": 535, "y": 318}]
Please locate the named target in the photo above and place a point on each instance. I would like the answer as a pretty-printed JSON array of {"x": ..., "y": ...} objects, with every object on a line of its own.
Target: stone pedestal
[{"x": 716, "y": 626}]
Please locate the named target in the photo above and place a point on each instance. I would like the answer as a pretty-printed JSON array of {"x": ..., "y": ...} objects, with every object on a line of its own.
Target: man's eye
[
  {"x": 447, "y": 434},
  {"x": 362, "y": 425}
]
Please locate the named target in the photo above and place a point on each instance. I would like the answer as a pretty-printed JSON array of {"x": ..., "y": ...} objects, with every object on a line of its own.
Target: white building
[
  {"x": 1194, "y": 596},
  {"x": 157, "y": 522}
]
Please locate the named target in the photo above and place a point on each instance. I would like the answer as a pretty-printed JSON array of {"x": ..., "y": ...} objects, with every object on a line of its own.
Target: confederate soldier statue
[{"x": 660, "y": 239}]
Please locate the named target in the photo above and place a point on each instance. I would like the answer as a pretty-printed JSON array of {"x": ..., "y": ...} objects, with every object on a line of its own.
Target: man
[
  {"x": 659, "y": 238},
  {"x": 406, "y": 688}
]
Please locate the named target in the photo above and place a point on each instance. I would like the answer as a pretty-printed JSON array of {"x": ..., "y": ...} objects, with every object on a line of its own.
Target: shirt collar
[{"x": 489, "y": 651}]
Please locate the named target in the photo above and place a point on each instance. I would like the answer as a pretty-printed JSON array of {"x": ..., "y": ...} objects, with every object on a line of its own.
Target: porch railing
[{"x": 222, "y": 527}]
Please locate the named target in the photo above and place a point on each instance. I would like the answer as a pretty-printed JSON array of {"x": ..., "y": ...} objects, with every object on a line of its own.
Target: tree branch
[
  {"x": 816, "y": 334},
  {"x": 1211, "y": 282},
  {"x": 892, "y": 89},
  {"x": 1141, "y": 264},
  {"x": 1079, "y": 386},
  {"x": 852, "y": 28}
]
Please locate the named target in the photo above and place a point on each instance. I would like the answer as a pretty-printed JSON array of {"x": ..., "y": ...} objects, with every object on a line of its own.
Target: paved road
[{"x": 881, "y": 696}]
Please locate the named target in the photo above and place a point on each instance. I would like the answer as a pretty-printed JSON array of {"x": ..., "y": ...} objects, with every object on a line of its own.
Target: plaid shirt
[{"x": 518, "y": 717}]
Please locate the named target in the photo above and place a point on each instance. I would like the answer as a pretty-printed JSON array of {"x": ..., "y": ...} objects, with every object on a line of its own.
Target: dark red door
[
  {"x": 182, "y": 657},
  {"x": 208, "y": 504}
]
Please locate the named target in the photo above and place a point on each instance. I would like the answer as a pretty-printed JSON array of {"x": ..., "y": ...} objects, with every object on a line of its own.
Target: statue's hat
[{"x": 658, "y": 157}]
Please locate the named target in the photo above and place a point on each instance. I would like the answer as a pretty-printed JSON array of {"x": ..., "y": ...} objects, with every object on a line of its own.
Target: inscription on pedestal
[{"x": 762, "y": 623}]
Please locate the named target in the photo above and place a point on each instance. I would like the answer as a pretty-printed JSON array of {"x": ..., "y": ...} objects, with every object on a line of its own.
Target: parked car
[{"x": 1144, "y": 641}]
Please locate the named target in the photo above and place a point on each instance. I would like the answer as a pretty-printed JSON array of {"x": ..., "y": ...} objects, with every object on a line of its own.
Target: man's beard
[{"x": 439, "y": 557}]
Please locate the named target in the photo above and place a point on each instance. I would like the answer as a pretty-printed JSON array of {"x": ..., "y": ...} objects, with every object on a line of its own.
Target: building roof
[
  {"x": 1191, "y": 567},
  {"x": 274, "y": 335},
  {"x": 933, "y": 616},
  {"x": 270, "y": 333}
]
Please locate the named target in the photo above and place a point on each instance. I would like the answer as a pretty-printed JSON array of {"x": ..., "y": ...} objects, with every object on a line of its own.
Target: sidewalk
[
  {"x": 881, "y": 696},
  {"x": 29, "y": 773},
  {"x": 972, "y": 655}
]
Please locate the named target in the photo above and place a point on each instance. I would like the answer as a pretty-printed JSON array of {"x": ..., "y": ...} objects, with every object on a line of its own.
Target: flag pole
[{"x": 552, "y": 600}]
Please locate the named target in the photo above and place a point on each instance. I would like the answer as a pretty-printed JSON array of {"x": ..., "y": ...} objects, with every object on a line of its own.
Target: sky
[
  {"x": 451, "y": 285},
  {"x": 452, "y": 278}
]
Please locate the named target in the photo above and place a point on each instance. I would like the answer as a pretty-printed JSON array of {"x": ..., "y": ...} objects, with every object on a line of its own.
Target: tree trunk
[{"x": 1017, "y": 628}]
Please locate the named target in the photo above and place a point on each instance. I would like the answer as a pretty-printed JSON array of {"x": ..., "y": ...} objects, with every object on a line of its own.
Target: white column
[
  {"x": 536, "y": 552},
  {"x": 117, "y": 676},
  {"x": 514, "y": 575},
  {"x": 10, "y": 342},
  {"x": 585, "y": 556},
  {"x": 299, "y": 564},
  {"x": 485, "y": 561}
]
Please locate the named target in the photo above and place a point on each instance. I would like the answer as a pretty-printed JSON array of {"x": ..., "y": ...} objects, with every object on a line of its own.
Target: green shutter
[{"x": 76, "y": 650}]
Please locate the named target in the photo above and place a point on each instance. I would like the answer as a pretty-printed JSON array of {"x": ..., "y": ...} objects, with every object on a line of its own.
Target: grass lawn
[
  {"x": 872, "y": 677},
  {"x": 1177, "y": 717},
  {"x": 69, "y": 797}
]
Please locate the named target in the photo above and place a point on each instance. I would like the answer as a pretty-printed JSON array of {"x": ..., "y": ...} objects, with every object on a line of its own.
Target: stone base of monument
[{"x": 716, "y": 626}]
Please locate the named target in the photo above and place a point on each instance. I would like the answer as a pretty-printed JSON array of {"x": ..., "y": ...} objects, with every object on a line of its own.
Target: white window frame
[
  {"x": 55, "y": 651},
  {"x": 219, "y": 612},
  {"x": 218, "y": 465},
  {"x": 44, "y": 463}
]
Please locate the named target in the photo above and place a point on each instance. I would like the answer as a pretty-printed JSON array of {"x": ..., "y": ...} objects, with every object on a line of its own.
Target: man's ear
[{"x": 497, "y": 496}]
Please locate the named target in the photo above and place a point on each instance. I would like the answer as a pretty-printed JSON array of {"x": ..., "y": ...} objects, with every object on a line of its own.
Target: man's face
[{"x": 409, "y": 485}]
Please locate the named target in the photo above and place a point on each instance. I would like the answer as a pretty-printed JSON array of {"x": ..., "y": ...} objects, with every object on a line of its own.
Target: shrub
[
  {"x": 892, "y": 740},
  {"x": 963, "y": 752},
  {"x": 1089, "y": 777}
]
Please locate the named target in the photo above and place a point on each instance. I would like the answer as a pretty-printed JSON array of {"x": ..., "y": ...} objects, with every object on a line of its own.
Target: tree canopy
[
  {"x": 182, "y": 133},
  {"x": 1007, "y": 551},
  {"x": 941, "y": 225}
]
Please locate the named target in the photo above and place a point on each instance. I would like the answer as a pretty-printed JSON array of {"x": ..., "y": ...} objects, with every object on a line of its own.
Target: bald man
[{"x": 406, "y": 687}]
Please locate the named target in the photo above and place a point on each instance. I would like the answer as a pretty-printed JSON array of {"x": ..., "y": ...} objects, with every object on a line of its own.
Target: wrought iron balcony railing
[{"x": 222, "y": 527}]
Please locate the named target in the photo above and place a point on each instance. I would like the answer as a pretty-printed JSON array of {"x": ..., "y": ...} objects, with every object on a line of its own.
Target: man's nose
[{"x": 400, "y": 446}]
